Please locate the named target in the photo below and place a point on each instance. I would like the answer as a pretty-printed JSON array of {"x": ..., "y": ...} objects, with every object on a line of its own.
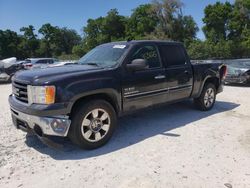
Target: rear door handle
[
  {"x": 160, "y": 77},
  {"x": 186, "y": 72}
]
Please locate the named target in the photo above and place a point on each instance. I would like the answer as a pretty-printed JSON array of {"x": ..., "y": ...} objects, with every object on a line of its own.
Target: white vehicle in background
[
  {"x": 36, "y": 63},
  {"x": 62, "y": 63},
  {"x": 8, "y": 67},
  {"x": 40, "y": 63}
]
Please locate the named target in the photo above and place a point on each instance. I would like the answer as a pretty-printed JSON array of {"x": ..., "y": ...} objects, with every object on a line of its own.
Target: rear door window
[
  {"x": 27, "y": 61},
  {"x": 173, "y": 55},
  {"x": 42, "y": 62},
  {"x": 50, "y": 61}
]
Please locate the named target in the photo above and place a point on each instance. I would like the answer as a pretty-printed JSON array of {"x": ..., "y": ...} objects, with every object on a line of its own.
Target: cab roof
[{"x": 144, "y": 41}]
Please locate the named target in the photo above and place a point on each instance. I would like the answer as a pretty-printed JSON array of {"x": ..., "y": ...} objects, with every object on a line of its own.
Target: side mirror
[{"x": 137, "y": 64}]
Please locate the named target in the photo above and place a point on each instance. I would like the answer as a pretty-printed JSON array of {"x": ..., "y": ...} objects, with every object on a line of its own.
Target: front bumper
[
  {"x": 43, "y": 123},
  {"x": 239, "y": 79},
  {"x": 52, "y": 126}
]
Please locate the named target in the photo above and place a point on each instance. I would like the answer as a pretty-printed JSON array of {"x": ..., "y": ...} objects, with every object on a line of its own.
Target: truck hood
[{"x": 50, "y": 73}]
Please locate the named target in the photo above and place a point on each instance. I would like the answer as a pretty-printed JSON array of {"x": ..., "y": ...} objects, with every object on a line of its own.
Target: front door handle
[{"x": 159, "y": 77}]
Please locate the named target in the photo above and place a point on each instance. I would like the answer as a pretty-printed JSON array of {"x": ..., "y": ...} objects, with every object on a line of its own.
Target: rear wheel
[
  {"x": 207, "y": 98},
  {"x": 93, "y": 124}
]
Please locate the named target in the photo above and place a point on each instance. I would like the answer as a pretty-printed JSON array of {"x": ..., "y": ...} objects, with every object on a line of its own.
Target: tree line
[{"x": 226, "y": 28}]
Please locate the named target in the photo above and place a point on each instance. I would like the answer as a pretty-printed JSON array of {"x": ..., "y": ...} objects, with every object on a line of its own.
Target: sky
[{"x": 74, "y": 14}]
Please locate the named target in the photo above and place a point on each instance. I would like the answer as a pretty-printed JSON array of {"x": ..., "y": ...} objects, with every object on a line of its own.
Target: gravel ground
[{"x": 171, "y": 146}]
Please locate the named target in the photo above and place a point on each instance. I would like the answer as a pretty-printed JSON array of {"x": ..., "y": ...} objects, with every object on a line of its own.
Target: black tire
[
  {"x": 76, "y": 132},
  {"x": 200, "y": 102}
]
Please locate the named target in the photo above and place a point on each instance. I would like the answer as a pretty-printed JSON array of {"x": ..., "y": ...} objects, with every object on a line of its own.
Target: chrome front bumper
[{"x": 53, "y": 126}]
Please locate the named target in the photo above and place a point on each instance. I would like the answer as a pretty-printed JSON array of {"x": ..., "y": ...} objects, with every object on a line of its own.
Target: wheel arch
[
  {"x": 213, "y": 80},
  {"x": 209, "y": 79},
  {"x": 110, "y": 97}
]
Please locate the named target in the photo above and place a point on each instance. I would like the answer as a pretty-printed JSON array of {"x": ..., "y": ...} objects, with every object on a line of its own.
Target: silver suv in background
[{"x": 34, "y": 63}]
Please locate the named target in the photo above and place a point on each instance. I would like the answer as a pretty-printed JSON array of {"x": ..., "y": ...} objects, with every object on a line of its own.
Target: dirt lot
[{"x": 171, "y": 146}]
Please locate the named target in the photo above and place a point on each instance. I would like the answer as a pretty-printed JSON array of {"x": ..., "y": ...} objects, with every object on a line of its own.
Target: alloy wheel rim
[
  {"x": 95, "y": 125},
  {"x": 209, "y": 97}
]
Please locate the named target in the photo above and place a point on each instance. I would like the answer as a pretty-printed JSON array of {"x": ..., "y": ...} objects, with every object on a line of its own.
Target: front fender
[{"x": 87, "y": 88}]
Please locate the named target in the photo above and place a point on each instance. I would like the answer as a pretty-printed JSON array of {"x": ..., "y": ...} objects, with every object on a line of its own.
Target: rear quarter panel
[{"x": 202, "y": 72}]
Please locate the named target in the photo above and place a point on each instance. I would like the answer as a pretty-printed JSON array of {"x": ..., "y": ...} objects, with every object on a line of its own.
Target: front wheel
[
  {"x": 92, "y": 124},
  {"x": 207, "y": 98}
]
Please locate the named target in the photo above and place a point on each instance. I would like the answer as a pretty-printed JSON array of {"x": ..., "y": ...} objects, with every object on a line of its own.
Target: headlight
[{"x": 41, "y": 94}]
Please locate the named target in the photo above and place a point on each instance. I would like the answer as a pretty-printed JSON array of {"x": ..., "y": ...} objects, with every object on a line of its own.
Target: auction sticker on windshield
[{"x": 119, "y": 46}]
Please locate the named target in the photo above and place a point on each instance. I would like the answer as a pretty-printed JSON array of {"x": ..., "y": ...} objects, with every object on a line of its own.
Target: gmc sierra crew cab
[{"x": 83, "y": 101}]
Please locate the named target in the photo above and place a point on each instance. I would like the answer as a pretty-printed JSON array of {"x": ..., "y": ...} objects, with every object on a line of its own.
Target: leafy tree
[
  {"x": 68, "y": 38},
  {"x": 49, "y": 37},
  {"x": 57, "y": 40},
  {"x": 209, "y": 50},
  {"x": 227, "y": 27},
  {"x": 167, "y": 12},
  {"x": 172, "y": 23},
  {"x": 227, "y": 32},
  {"x": 29, "y": 32},
  {"x": 9, "y": 44},
  {"x": 185, "y": 28},
  {"x": 78, "y": 50},
  {"x": 245, "y": 44},
  {"x": 240, "y": 28},
  {"x": 198, "y": 50},
  {"x": 114, "y": 25},
  {"x": 30, "y": 43},
  {"x": 240, "y": 20},
  {"x": 93, "y": 33},
  {"x": 142, "y": 22},
  {"x": 104, "y": 29},
  {"x": 217, "y": 19}
]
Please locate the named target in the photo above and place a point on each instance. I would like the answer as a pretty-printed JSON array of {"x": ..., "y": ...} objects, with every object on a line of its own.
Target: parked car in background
[
  {"x": 8, "y": 67},
  {"x": 238, "y": 71},
  {"x": 83, "y": 101},
  {"x": 62, "y": 63},
  {"x": 36, "y": 63}
]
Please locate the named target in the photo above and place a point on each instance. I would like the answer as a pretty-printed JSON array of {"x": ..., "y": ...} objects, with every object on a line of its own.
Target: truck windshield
[{"x": 104, "y": 56}]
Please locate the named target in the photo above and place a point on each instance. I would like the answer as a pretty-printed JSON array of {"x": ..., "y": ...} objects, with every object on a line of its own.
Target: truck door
[
  {"x": 179, "y": 73},
  {"x": 146, "y": 87}
]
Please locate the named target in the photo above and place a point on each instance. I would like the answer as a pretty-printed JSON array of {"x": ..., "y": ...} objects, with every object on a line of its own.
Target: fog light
[{"x": 59, "y": 126}]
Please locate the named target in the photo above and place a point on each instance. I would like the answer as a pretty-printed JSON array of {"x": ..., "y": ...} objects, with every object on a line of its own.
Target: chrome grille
[{"x": 20, "y": 91}]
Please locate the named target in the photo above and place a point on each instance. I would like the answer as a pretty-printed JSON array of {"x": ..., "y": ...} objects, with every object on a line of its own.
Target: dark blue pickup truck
[{"x": 82, "y": 101}]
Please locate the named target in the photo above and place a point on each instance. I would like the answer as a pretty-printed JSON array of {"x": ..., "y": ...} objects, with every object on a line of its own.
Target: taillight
[
  {"x": 28, "y": 65},
  {"x": 224, "y": 72}
]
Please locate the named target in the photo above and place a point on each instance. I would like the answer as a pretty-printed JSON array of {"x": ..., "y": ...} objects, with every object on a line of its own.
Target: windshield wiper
[{"x": 91, "y": 63}]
